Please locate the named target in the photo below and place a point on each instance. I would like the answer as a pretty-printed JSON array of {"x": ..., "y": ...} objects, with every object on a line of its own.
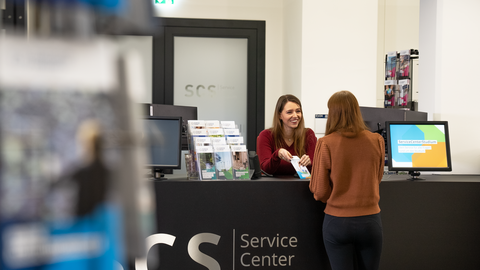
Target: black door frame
[{"x": 165, "y": 31}]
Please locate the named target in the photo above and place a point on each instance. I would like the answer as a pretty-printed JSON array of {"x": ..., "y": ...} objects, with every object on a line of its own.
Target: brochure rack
[
  {"x": 216, "y": 151},
  {"x": 398, "y": 87}
]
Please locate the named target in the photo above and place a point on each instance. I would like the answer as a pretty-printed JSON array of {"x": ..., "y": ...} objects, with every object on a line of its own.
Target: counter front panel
[
  {"x": 276, "y": 224},
  {"x": 240, "y": 225}
]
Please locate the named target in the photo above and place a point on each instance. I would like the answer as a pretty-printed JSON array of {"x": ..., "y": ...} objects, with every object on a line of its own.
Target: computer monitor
[
  {"x": 163, "y": 139},
  {"x": 417, "y": 146},
  {"x": 186, "y": 112}
]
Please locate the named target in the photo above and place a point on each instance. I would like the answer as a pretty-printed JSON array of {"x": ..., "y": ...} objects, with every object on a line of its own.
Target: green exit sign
[{"x": 164, "y": 1}]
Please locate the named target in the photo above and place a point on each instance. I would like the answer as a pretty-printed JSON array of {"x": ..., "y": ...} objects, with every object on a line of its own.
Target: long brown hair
[
  {"x": 277, "y": 126},
  {"x": 344, "y": 114}
]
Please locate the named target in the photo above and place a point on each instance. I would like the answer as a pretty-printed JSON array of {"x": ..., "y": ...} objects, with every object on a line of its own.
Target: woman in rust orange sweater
[{"x": 347, "y": 169}]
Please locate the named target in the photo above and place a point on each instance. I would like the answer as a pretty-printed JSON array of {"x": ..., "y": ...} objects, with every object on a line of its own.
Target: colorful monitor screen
[{"x": 416, "y": 146}]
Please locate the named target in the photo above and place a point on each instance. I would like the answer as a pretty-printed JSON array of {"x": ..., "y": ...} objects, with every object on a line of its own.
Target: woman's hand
[
  {"x": 284, "y": 154},
  {"x": 305, "y": 160}
]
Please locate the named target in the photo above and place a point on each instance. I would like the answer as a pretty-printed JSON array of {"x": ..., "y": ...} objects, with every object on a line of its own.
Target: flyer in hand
[{"x": 302, "y": 171}]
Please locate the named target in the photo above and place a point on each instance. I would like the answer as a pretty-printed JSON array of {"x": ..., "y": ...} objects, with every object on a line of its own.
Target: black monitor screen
[
  {"x": 418, "y": 146},
  {"x": 186, "y": 112},
  {"x": 163, "y": 138}
]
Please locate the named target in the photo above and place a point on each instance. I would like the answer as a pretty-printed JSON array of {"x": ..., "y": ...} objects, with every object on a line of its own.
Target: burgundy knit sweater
[
  {"x": 347, "y": 171},
  {"x": 268, "y": 153}
]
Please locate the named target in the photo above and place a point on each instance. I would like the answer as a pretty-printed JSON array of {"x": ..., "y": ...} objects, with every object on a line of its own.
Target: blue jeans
[{"x": 353, "y": 242}]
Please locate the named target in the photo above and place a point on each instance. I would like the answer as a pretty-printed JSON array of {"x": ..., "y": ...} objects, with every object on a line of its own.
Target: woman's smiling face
[{"x": 291, "y": 115}]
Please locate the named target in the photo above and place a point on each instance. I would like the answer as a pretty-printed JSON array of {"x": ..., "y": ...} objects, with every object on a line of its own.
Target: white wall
[
  {"x": 401, "y": 24},
  {"x": 292, "y": 54},
  {"x": 450, "y": 42},
  {"x": 339, "y": 52}
]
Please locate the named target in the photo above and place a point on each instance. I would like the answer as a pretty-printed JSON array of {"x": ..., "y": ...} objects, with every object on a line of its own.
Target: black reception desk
[{"x": 274, "y": 223}]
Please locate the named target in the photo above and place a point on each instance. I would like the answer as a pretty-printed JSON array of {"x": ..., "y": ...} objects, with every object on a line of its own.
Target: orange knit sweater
[{"x": 347, "y": 171}]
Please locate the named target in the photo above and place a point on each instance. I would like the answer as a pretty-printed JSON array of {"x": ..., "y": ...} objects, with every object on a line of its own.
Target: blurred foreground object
[
  {"x": 79, "y": 17},
  {"x": 69, "y": 177}
]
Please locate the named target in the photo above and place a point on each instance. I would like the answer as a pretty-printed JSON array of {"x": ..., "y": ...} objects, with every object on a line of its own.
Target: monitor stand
[
  {"x": 158, "y": 174},
  {"x": 415, "y": 176}
]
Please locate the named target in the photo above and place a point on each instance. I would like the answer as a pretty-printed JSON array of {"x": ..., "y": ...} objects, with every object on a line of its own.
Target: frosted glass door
[{"x": 211, "y": 74}]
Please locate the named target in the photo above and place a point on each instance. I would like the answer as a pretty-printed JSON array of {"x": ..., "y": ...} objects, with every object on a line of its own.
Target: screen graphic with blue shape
[{"x": 418, "y": 146}]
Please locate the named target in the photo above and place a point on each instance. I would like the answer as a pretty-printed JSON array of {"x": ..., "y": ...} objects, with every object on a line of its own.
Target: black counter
[
  {"x": 432, "y": 223},
  {"x": 274, "y": 223}
]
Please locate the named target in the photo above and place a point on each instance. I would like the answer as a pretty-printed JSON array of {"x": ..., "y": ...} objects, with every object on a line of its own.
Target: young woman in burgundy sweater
[
  {"x": 347, "y": 169},
  {"x": 286, "y": 138}
]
